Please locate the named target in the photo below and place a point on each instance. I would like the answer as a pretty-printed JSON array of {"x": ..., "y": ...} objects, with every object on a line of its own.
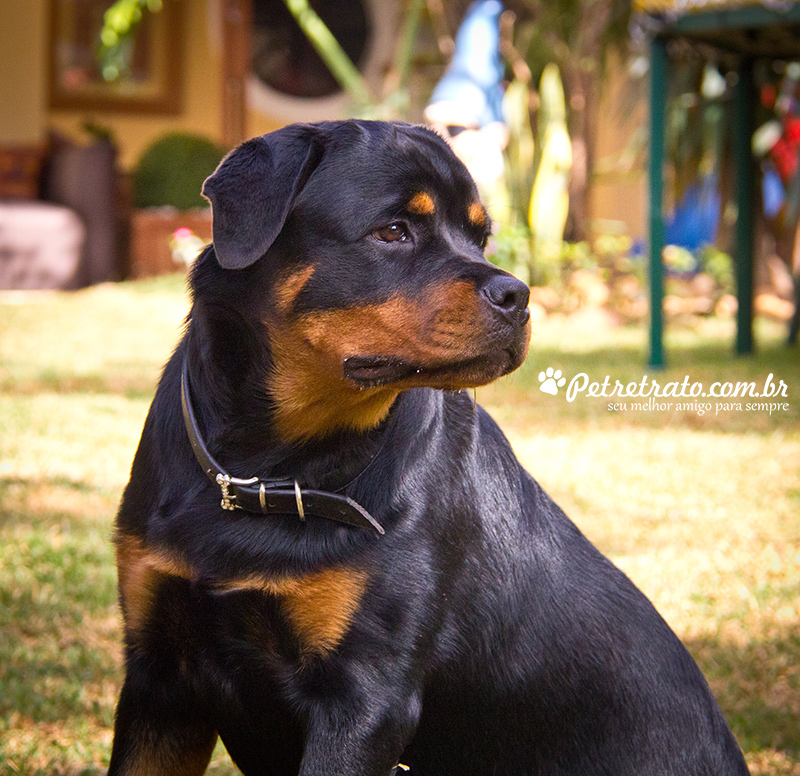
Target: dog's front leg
[
  {"x": 367, "y": 739},
  {"x": 161, "y": 729}
]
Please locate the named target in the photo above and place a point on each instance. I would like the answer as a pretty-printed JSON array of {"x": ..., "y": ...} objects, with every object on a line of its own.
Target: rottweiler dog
[{"x": 328, "y": 555}]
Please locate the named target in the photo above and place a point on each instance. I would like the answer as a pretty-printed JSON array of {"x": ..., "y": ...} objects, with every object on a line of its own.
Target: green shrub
[
  {"x": 719, "y": 265},
  {"x": 172, "y": 170}
]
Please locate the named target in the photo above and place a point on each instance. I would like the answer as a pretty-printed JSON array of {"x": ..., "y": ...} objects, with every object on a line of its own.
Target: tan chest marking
[
  {"x": 319, "y": 607},
  {"x": 139, "y": 570}
]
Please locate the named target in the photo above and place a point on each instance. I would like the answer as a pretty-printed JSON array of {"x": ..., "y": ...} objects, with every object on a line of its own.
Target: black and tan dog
[{"x": 327, "y": 555}]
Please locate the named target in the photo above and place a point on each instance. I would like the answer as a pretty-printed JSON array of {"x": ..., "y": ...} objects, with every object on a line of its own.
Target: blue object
[
  {"x": 696, "y": 218},
  {"x": 773, "y": 194},
  {"x": 473, "y": 78}
]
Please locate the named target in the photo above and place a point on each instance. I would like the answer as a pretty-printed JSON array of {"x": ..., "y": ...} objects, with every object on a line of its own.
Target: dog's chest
[{"x": 319, "y": 608}]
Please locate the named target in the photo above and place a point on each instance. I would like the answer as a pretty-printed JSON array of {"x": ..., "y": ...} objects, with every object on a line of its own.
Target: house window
[{"x": 284, "y": 59}]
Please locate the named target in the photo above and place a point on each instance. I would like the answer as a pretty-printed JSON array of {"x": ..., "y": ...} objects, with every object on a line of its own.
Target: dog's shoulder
[{"x": 161, "y": 467}]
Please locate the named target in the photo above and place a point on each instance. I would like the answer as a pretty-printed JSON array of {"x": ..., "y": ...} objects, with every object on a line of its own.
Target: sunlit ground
[{"x": 701, "y": 510}]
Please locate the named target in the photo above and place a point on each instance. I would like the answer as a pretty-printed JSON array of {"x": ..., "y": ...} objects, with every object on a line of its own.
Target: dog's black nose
[{"x": 508, "y": 295}]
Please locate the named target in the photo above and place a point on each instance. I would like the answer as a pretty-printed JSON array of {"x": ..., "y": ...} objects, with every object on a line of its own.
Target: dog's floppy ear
[{"x": 252, "y": 190}]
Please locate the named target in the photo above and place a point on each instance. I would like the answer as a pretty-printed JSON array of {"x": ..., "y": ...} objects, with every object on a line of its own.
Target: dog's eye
[{"x": 395, "y": 232}]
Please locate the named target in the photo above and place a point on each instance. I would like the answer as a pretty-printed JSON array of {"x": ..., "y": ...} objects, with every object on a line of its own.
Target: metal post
[
  {"x": 743, "y": 127},
  {"x": 658, "y": 101}
]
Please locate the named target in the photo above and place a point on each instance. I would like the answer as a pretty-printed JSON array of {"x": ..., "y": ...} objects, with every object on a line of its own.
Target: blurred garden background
[{"x": 114, "y": 112}]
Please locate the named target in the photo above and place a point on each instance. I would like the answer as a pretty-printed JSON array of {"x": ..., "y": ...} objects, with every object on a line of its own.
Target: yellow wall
[
  {"x": 259, "y": 124},
  {"x": 23, "y": 69}
]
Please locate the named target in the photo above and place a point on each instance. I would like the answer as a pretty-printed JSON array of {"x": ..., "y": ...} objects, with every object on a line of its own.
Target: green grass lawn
[{"x": 701, "y": 510}]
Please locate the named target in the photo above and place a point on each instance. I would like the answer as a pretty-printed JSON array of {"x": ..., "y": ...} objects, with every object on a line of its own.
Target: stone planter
[{"x": 152, "y": 231}]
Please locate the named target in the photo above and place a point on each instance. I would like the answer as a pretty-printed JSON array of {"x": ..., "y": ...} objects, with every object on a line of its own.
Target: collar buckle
[{"x": 225, "y": 481}]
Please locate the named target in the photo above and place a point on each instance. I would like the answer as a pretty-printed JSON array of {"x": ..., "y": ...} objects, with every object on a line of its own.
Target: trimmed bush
[{"x": 172, "y": 170}]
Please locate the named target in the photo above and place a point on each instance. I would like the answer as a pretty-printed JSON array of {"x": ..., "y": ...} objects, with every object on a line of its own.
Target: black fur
[{"x": 488, "y": 637}]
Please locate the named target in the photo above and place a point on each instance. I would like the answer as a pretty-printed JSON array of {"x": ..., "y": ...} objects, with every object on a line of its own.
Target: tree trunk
[
  {"x": 582, "y": 100},
  {"x": 582, "y": 75}
]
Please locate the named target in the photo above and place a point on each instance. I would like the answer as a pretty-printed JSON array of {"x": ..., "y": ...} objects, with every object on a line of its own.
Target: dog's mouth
[
  {"x": 378, "y": 371},
  {"x": 374, "y": 371}
]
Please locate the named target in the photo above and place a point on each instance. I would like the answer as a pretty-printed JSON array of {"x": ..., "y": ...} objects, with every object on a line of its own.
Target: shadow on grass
[
  {"x": 59, "y": 626},
  {"x": 59, "y": 623},
  {"x": 53, "y": 381},
  {"x": 755, "y": 684},
  {"x": 60, "y": 659},
  {"x": 49, "y": 501}
]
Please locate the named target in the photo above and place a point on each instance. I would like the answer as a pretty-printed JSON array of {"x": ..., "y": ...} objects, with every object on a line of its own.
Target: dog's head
[{"x": 365, "y": 241}]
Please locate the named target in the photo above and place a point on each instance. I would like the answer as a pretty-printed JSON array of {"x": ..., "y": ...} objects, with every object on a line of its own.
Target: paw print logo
[{"x": 551, "y": 381}]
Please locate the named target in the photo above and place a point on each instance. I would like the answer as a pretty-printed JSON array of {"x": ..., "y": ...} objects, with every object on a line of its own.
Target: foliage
[
  {"x": 569, "y": 31},
  {"x": 520, "y": 152},
  {"x": 679, "y": 260},
  {"x": 573, "y": 275},
  {"x": 171, "y": 172},
  {"x": 122, "y": 20},
  {"x": 710, "y": 260},
  {"x": 120, "y": 24},
  {"x": 536, "y": 180},
  {"x": 719, "y": 265},
  {"x": 510, "y": 248},
  {"x": 577, "y": 36},
  {"x": 334, "y": 56},
  {"x": 392, "y": 103},
  {"x": 549, "y": 202}
]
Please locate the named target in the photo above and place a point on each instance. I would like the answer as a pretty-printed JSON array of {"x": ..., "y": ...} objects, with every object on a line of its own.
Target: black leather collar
[{"x": 269, "y": 496}]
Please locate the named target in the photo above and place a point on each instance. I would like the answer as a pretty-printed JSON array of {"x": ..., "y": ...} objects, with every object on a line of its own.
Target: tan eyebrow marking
[
  {"x": 421, "y": 204},
  {"x": 477, "y": 214}
]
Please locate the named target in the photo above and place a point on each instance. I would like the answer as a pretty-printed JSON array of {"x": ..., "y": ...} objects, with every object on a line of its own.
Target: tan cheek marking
[
  {"x": 311, "y": 395},
  {"x": 477, "y": 214},
  {"x": 421, "y": 204},
  {"x": 140, "y": 570},
  {"x": 312, "y": 399},
  {"x": 427, "y": 329},
  {"x": 287, "y": 289}
]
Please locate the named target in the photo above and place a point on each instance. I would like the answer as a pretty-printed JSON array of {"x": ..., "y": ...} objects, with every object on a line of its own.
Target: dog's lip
[
  {"x": 371, "y": 371},
  {"x": 377, "y": 371}
]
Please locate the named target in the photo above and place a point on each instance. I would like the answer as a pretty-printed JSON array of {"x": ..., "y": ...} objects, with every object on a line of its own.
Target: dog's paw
[{"x": 551, "y": 381}]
